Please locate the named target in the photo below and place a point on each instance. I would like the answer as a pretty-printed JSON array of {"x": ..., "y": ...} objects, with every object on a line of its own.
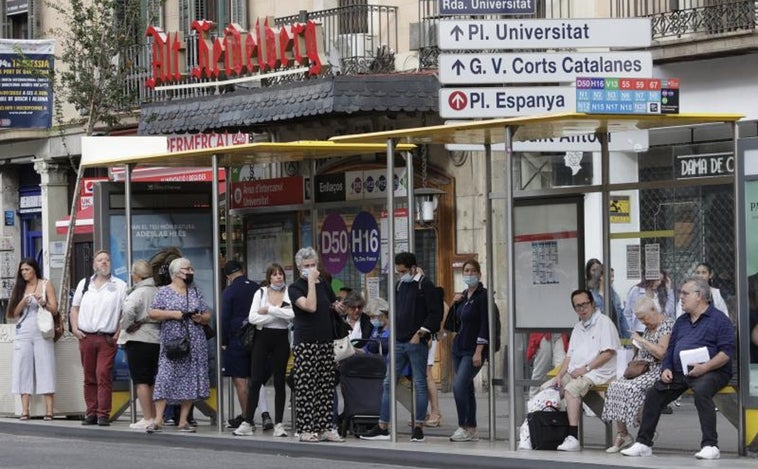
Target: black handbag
[
  {"x": 547, "y": 429},
  {"x": 247, "y": 336},
  {"x": 209, "y": 332},
  {"x": 179, "y": 347}
]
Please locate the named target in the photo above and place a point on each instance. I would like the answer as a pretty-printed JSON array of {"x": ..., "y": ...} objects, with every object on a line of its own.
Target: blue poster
[
  {"x": 26, "y": 91},
  {"x": 365, "y": 242}
]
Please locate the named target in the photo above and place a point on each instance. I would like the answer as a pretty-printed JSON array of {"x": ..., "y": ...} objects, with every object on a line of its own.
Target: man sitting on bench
[
  {"x": 702, "y": 325},
  {"x": 589, "y": 361}
]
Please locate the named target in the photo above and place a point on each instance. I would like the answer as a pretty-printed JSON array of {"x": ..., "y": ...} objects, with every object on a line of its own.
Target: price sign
[
  {"x": 365, "y": 242},
  {"x": 334, "y": 243}
]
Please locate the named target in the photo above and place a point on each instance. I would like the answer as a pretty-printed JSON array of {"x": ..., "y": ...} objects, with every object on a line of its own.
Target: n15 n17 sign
[{"x": 26, "y": 91}]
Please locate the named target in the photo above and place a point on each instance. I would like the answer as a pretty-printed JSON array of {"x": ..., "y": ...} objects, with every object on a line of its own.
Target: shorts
[
  {"x": 142, "y": 358},
  {"x": 578, "y": 387},
  {"x": 235, "y": 360},
  {"x": 432, "y": 353}
]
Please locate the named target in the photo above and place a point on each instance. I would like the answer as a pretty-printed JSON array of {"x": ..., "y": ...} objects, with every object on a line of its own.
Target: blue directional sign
[{"x": 488, "y": 7}]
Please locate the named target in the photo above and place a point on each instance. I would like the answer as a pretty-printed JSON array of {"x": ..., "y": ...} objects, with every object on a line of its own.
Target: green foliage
[{"x": 97, "y": 43}]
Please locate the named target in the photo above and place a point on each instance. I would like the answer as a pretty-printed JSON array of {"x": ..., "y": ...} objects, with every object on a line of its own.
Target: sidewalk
[{"x": 678, "y": 441}]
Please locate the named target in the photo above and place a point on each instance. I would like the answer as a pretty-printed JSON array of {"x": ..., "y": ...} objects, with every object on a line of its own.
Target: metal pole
[
  {"x": 391, "y": 284},
  {"x": 128, "y": 221},
  {"x": 490, "y": 267},
  {"x": 230, "y": 394},
  {"x": 511, "y": 287},
  {"x": 742, "y": 319},
  {"x": 217, "y": 295},
  {"x": 602, "y": 137}
]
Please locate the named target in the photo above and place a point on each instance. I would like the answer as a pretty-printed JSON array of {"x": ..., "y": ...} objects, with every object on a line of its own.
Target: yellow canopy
[
  {"x": 238, "y": 155},
  {"x": 534, "y": 127}
]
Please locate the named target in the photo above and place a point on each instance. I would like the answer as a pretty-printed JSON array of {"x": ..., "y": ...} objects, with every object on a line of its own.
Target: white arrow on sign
[
  {"x": 480, "y": 69},
  {"x": 544, "y": 33},
  {"x": 470, "y": 103}
]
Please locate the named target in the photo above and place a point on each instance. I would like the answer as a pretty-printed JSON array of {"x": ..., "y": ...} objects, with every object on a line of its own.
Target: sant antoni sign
[{"x": 236, "y": 53}]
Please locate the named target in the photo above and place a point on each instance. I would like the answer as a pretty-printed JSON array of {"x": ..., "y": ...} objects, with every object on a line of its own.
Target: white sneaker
[
  {"x": 622, "y": 441},
  {"x": 245, "y": 429},
  {"x": 140, "y": 425},
  {"x": 570, "y": 444},
  {"x": 279, "y": 430},
  {"x": 708, "y": 452},
  {"x": 458, "y": 434},
  {"x": 638, "y": 449}
]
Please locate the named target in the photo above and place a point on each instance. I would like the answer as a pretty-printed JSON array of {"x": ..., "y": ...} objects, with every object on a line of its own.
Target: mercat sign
[{"x": 235, "y": 53}]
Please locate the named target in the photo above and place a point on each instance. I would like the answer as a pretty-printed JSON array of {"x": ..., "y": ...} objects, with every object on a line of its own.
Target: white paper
[
  {"x": 636, "y": 344},
  {"x": 693, "y": 357}
]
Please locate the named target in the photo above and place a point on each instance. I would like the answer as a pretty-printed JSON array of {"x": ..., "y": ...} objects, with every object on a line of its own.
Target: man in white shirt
[
  {"x": 590, "y": 361},
  {"x": 95, "y": 316}
]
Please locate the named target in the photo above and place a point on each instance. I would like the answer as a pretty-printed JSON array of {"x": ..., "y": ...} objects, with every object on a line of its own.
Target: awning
[{"x": 85, "y": 220}]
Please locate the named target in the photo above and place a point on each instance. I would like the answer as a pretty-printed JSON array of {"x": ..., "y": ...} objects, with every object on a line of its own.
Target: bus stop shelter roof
[
  {"x": 534, "y": 127},
  {"x": 238, "y": 155}
]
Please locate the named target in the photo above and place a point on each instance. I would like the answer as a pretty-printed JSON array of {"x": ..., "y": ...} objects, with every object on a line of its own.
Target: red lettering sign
[{"x": 237, "y": 52}]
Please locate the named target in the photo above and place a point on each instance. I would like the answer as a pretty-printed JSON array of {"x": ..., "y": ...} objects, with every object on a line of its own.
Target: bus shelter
[
  {"x": 508, "y": 131},
  {"x": 229, "y": 157}
]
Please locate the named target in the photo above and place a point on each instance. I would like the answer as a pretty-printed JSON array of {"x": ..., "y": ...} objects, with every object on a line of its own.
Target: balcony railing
[
  {"x": 357, "y": 39},
  {"x": 426, "y": 34},
  {"x": 672, "y": 18}
]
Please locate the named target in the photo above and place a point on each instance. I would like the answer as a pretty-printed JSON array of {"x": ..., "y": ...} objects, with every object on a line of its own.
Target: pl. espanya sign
[{"x": 237, "y": 53}]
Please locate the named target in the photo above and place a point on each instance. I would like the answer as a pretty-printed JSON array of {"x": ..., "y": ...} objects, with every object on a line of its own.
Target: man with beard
[{"x": 95, "y": 316}]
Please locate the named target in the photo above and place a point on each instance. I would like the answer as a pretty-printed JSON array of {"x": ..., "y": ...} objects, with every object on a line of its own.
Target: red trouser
[{"x": 98, "y": 352}]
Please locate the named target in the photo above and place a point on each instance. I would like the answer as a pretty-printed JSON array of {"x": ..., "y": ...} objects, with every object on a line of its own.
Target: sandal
[
  {"x": 24, "y": 417},
  {"x": 433, "y": 421},
  {"x": 308, "y": 437},
  {"x": 48, "y": 418}
]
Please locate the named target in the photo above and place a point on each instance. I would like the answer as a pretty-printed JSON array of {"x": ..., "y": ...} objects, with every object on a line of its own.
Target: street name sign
[
  {"x": 627, "y": 95},
  {"x": 544, "y": 33},
  {"x": 456, "y": 69},
  {"x": 493, "y": 102},
  {"x": 632, "y": 140},
  {"x": 487, "y": 7}
]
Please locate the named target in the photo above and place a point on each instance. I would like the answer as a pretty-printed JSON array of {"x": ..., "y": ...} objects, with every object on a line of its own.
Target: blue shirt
[
  {"x": 712, "y": 330},
  {"x": 235, "y": 306}
]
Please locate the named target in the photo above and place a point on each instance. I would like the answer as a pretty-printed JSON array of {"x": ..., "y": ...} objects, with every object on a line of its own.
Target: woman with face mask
[
  {"x": 271, "y": 313},
  {"x": 471, "y": 323},
  {"x": 315, "y": 372},
  {"x": 182, "y": 311}
]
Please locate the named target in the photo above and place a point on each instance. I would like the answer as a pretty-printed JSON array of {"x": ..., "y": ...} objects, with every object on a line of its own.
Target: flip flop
[
  {"x": 24, "y": 417},
  {"x": 48, "y": 418}
]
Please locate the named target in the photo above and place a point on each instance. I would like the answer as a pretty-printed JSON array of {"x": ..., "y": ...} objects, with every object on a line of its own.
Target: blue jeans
[
  {"x": 463, "y": 387},
  {"x": 415, "y": 354}
]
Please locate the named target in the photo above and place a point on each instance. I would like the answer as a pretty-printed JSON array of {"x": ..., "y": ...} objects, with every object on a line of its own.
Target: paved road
[{"x": 23, "y": 451}]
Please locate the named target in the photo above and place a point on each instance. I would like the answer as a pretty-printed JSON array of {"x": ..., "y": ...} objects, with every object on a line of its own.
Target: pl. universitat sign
[{"x": 236, "y": 53}]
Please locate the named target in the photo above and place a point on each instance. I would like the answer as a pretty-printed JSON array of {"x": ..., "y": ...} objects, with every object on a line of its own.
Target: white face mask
[
  {"x": 305, "y": 272},
  {"x": 406, "y": 278},
  {"x": 471, "y": 280},
  {"x": 277, "y": 287}
]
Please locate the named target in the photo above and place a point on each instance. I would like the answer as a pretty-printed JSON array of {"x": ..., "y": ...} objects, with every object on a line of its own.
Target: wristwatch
[{"x": 587, "y": 367}]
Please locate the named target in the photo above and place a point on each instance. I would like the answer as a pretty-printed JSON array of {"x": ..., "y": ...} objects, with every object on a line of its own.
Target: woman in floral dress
[
  {"x": 182, "y": 309},
  {"x": 625, "y": 397}
]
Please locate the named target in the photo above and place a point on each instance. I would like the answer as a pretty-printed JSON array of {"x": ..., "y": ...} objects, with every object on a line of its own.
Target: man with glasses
[
  {"x": 590, "y": 361},
  {"x": 702, "y": 325}
]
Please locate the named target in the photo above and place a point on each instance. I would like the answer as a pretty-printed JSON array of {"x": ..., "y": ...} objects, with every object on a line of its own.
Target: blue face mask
[
  {"x": 277, "y": 287},
  {"x": 306, "y": 272},
  {"x": 376, "y": 323},
  {"x": 406, "y": 278},
  {"x": 471, "y": 280}
]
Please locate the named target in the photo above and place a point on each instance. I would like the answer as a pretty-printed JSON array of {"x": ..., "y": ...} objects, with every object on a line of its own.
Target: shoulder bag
[
  {"x": 45, "y": 321},
  {"x": 342, "y": 346},
  {"x": 179, "y": 347},
  {"x": 247, "y": 336},
  {"x": 636, "y": 368}
]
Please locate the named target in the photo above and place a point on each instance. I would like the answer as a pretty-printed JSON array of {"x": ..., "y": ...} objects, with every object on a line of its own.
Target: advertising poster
[
  {"x": 191, "y": 232},
  {"x": 26, "y": 91},
  {"x": 751, "y": 225}
]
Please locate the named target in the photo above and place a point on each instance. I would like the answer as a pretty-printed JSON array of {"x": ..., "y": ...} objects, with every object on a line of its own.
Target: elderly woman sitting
[{"x": 624, "y": 398}]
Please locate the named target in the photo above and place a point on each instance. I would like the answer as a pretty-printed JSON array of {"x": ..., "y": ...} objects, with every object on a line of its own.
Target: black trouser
[
  {"x": 661, "y": 394},
  {"x": 271, "y": 351}
]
